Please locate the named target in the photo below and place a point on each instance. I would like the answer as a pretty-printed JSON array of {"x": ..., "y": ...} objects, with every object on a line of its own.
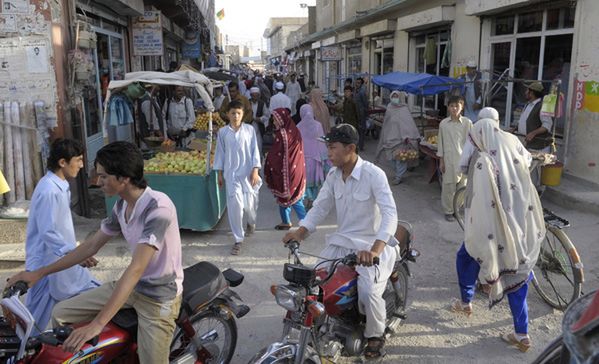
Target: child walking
[
  {"x": 453, "y": 132},
  {"x": 237, "y": 160}
]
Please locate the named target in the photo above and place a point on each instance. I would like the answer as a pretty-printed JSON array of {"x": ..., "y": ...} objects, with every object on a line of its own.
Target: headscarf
[
  {"x": 285, "y": 169},
  {"x": 298, "y": 104},
  {"x": 321, "y": 111},
  {"x": 398, "y": 125},
  {"x": 488, "y": 113},
  {"x": 311, "y": 130},
  {"x": 504, "y": 223}
]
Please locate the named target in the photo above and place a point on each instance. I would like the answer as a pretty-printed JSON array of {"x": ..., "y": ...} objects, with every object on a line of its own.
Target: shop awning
[{"x": 416, "y": 83}]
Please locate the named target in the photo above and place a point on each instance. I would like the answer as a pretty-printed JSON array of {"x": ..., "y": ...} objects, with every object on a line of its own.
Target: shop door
[{"x": 110, "y": 65}]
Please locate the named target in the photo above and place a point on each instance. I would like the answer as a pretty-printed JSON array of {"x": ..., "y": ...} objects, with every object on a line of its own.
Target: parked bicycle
[{"x": 558, "y": 274}]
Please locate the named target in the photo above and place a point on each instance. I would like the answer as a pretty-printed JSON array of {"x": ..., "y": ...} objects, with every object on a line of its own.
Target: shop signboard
[
  {"x": 192, "y": 47},
  {"x": 147, "y": 34},
  {"x": 330, "y": 53}
]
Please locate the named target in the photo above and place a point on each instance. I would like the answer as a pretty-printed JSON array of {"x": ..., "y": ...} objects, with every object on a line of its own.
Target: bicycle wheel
[
  {"x": 555, "y": 353},
  {"x": 459, "y": 205},
  {"x": 557, "y": 276}
]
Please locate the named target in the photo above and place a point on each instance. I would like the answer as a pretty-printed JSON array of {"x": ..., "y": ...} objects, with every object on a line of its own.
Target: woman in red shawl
[{"x": 285, "y": 169}]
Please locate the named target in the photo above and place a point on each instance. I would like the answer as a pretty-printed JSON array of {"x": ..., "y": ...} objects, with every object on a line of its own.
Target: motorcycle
[
  {"x": 206, "y": 330},
  {"x": 579, "y": 342},
  {"x": 323, "y": 321}
]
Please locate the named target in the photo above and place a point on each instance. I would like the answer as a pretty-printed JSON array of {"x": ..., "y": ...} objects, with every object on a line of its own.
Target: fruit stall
[{"x": 185, "y": 175}]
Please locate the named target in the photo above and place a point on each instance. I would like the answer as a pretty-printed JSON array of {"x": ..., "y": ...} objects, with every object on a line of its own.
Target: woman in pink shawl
[
  {"x": 315, "y": 153},
  {"x": 285, "y": 169},
  {"x": 321, "y": 111},
  {"x": 398, "y": 130}
]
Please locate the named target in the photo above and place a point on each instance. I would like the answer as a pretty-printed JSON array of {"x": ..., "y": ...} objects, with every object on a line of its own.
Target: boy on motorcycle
[
  {"x": 151, "y": 284},
  {"x": 367, "y": 221}
]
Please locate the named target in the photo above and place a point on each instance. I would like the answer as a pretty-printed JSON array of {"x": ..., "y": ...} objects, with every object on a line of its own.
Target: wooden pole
[
  {"x": 8, "y": 155},
  {"x": 2, "y": 169},
  {"x": 28, "y": 149},
  {"x": 18, "y": 152}
]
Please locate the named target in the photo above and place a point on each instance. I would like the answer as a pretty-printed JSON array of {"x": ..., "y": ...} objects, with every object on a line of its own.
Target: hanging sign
[
  {"x": 147, "y": 34},
  {"x": 192, "y": 47},
  {"x": 330, "y": 53}
]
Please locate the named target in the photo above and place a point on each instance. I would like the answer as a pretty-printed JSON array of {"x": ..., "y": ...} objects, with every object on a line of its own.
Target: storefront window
[
  {"x": 544, "y": 57},
  {"x": 432, "y": 58},
  {"x": 530, "y": 22},
  {"x": 503, "y": 25}
]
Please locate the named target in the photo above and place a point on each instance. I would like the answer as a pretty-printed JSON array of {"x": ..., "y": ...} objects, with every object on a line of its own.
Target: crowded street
[{"x": 430, "y": 334}]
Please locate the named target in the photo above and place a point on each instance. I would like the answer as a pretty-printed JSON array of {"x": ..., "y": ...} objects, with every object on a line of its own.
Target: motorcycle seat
[
  {"x": 126, "y": 319},
  {"x": 202, "y": 282}
]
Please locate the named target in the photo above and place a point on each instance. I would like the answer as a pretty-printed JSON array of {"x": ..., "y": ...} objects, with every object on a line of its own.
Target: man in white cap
[
  {"x": 294, "y": 91},
  {"x": 260, "y": 115},
  {"x": 472, "y": 91},
  {"x": 279, "y": 99}
]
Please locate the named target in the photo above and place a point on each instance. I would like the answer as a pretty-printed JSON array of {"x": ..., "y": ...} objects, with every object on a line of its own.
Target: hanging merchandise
[
  {"x": 446, "y": 59},
  {"x": 430, "y": 51},
  {"x": 119, "y": 110}
]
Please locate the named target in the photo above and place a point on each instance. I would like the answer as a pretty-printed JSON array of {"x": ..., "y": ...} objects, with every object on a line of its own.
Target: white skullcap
[
  {"x": 254, "y": 90},
  {"x": 279, "y": 85},
  {"x": 471, "y": 64},
  {"x": 488, "y": 113}
]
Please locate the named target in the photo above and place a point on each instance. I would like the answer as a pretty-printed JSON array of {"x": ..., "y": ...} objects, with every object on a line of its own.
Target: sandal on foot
[
  {"x": 374, "y": 348},
  {"x": 458, "y": 307},
  {"x": 236, "y": 249},
  {"x": 523, "y": 344},
  {"x": 282, "y": 227}
]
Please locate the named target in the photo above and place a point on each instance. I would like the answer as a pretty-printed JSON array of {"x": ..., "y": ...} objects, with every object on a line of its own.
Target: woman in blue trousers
[{"x": 503, "y": 228}]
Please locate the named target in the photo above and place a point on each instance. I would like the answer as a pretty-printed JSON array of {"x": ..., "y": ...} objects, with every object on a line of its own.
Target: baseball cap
[{"x": 343, "y": 133}]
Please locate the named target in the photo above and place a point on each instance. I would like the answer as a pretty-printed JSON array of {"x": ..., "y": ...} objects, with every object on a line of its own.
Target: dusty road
[{"x": 431, "y": 333}]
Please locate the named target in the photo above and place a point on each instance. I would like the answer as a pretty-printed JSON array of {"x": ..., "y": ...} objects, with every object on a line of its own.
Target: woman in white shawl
[
  {"x": 504, "y": 226},
  {"x": 398, "y": 129}
]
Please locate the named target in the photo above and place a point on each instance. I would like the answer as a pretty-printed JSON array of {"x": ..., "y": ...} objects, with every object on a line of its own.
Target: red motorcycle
[
  {"x": 323, "y": 321},
  {"x": 206, "y": 330}
]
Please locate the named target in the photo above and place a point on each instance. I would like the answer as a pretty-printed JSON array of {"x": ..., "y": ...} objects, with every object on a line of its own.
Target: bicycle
[{"x": 558, "y": 273}]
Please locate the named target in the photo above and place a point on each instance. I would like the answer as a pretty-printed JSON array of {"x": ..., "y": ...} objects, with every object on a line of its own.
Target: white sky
[{"x": 245, "y": 20}]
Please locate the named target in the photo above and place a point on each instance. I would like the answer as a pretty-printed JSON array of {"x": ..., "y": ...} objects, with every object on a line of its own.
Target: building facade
[
  {"x": 277, "y": 34},
  {"x": 512, "y": 42}
]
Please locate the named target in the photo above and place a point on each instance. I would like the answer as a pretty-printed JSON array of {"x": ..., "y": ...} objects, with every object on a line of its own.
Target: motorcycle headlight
[{"x": 290, "y": 298}]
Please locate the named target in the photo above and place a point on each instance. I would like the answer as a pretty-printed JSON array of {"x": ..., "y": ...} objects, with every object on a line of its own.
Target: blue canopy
[{"x": 417, "y": 83}]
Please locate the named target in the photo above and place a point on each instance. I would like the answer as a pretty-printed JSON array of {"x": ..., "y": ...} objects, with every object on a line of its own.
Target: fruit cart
[{"x": 185, "y": 176}]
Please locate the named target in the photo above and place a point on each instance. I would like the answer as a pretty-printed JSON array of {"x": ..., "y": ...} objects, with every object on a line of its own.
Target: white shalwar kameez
[
  {"x": 294, "y": 91},
  {"x": 237, "y": 155},
  {"x": 365, "y": 212}
]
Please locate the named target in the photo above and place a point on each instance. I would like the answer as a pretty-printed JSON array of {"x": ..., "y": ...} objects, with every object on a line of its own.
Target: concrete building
[
  {"x": 277, "y": 34},
  {"x": 511, "y": 40}
]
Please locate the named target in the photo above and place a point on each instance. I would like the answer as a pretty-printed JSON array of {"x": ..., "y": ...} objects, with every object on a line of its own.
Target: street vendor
[{"x": 180, "y": 116}]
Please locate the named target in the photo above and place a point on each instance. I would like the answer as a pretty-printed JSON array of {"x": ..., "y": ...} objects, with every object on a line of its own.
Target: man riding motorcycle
[
  {"x": 151, "y": 284},
  {"x": 367, "y": 221}
]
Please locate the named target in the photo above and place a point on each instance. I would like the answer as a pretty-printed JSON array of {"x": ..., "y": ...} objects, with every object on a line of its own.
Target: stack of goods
[
  {"x": 406, "y": 154},
  {"x": 203, "y": 119},
  {"x": 432, "y": 139},
  {"x": 193, "y": 162}
]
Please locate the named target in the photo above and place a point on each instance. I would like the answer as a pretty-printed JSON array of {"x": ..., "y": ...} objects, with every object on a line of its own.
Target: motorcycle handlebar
[{"x": 20, "y": 287}]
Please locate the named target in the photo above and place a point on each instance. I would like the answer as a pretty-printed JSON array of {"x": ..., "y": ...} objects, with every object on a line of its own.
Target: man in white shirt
[
  {"x": 180, "y": 116},
  {"x": 294, "y": 91},
  {"x": 219, "y": 97},
  {"x": 367, "y": 221},
  {"x": 260, "y": 115},
  {"x": 279, "y": 100}
]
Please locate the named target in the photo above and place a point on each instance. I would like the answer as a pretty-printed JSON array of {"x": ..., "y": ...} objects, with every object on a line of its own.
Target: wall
[
  {"x": 465, "y": 39},
  {"x": 324, "y": 14},
  {"x": 582, "y": 154}
]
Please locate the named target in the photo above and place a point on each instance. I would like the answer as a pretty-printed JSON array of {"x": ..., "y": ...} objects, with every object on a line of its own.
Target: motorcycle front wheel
[{"x": 218, "y": 334}]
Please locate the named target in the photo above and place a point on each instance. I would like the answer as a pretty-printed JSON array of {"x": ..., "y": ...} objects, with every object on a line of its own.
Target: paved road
[{"x": 431, "y": 333}]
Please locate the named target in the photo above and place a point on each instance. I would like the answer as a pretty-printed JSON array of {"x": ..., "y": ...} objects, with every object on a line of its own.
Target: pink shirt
[{"x": 153, "y": 221}]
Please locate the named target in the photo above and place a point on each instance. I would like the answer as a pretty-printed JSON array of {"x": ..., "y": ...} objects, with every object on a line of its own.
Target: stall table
[
  {"x": 199, "y": 201},
  {"x": 434, "y": 173}
]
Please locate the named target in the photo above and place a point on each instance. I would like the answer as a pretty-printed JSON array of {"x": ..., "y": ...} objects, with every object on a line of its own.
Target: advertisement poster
[
  {"x": 147, "y": 34},
  {"x": 192, "y": 47},
  {"x": 330, "y": 53},
  {"x": 586, "y": 95}
]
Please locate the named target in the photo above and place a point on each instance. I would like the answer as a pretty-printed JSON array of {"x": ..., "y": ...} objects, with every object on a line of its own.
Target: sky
[{"x": 245, "y": 20}]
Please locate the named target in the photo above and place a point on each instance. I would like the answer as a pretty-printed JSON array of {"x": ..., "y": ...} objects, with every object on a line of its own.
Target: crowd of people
[{"x": 311, "y": 167}]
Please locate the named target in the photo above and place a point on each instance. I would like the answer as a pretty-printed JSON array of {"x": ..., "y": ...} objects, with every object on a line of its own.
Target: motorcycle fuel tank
[
  {"x": 113, "y": 343},
  {"x": 341, "y": 291}
]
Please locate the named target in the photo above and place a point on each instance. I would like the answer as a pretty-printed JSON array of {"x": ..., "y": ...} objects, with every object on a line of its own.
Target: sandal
[
  {"x": 283, "y": 227},
  {"x": 458, "y": 307},
  {"x": 236, "y": 249},
  {"x": 523, "y": 344},
  {"x": 375, "y": 348}
]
